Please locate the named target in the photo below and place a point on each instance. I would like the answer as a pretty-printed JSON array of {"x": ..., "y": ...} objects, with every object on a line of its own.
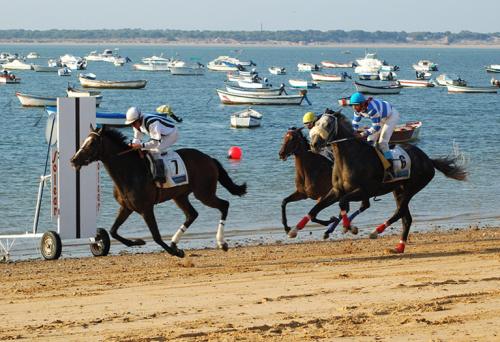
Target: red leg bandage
[
  {"x": 345, "y": 221},
  {"x": 380, "y": 229},
  {"x": 302, "y": 223},
  {"x": 400, "y": 248}
]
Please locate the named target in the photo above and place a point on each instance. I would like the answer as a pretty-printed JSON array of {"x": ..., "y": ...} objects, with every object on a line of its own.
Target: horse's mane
[
  {"x": 345, "y": 123},
  {"x": 118, "y": 137}
]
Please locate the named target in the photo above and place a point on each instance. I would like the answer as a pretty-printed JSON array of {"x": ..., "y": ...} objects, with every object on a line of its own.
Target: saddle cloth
[
  {"x": 401, "y": 163},
  {"x": 175, "y": 169}
]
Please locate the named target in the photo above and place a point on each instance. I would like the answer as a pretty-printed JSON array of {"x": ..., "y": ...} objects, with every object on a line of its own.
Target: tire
[
  {"x": 50, "y": 245},
  {"x": 102, "y": 244}
]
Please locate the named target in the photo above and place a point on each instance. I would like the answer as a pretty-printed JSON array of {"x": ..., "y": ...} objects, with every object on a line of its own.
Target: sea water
[{"x": 470, "y": 122}]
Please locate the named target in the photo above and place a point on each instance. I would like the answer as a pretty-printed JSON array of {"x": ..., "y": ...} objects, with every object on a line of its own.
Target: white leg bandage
[
  {"x": 177, "y": 236},
  {"x": 220, "y": 233}
]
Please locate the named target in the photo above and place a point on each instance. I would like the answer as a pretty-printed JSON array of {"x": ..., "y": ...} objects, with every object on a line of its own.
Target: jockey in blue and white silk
[{"x": 162, "y": 133}]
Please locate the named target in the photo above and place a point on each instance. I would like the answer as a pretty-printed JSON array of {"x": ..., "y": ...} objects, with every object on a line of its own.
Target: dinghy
[
  {"x": 394, "y": 88},
  {"x": 469, "y": 89},
  {"x": 230, "y": 98},
  {"x": 246, "y": 118},
  {"x": 92, "y": 83}
]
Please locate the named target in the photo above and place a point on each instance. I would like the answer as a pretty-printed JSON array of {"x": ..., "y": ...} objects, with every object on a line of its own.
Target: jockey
[
  {"x": 384, "y": 119},
  {"x": 162, "y": 133}
]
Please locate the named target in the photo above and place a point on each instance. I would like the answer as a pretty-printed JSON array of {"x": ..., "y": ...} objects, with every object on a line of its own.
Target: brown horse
[
  {"x": 313, "y": 179},
  {"x": 358, "y": 173},
  {"x": 135, "y": 191}
]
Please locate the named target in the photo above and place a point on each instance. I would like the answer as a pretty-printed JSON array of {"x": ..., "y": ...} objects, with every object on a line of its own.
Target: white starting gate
[{"x": 74, "y": 193}]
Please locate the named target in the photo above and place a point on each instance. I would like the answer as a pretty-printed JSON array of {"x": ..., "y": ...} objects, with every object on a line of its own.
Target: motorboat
[
  {"x": 304, "y": 84},
  {"x": 331, "y": 64},
  {"x": 386, "y": 75},
  {"x": 42, "y": 68},
  {"x": 32, "y": 55},
  {"x": 369, "y": 76},
  {"x": 423, "y": 75},
  {"x": 64, "y": 71},
  {"x": 258, "y": 84},
  {"x": 394, "y": 88},
  {"x": 230, "y": 98},
  {"x": 56, "y": 63},
  {"x": 7, "y": 57},
  {"x": 256, "y": 91},
  {"x": 73, "y": 62},
  {"x": 17, "y": 64},
  {"x": 493, "y": 68},
  {"x": 104, "y": 56},
  {"x": 370, "y": 62},
  {"x": 416, "y": 83},
  {"x": 494, "y": 82},
  {"x": 87, "y": 82},
  {"x": 450, "y": 79},
  {"x": 151, "y": 67},
  {"x": 156, "y": 59},
  {"x": 197, "y": 69},
  {"x": 276, "y": 70},
  {"x": 8, "y": 78},
  {"x": 246, "y": 118},
  {"x": 328, "y": 77},
  {"x": 74, "y": 92},
  {"x": 470, "y": 89},
  {"x": 304, "y": 67},
  {"x": 425, "y": 65},
  {"x": 226, "y": 63}
]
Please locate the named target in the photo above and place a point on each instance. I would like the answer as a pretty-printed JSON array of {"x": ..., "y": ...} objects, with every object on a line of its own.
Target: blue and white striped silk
[{"x": 376, "y": 111}]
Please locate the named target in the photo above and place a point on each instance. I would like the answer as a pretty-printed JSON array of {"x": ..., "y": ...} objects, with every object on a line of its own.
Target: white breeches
[
  {"x": 383, "y": 136},
  {"x": 166, "y": 142}
]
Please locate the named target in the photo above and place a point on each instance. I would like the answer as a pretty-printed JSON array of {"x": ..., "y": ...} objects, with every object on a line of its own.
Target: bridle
[{"x": 335, "y": 132}]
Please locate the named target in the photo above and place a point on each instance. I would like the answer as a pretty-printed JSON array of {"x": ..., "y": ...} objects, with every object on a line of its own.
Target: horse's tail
[
  {"x": 227, "y": 182},
  {"x": 451, "y": 167}
]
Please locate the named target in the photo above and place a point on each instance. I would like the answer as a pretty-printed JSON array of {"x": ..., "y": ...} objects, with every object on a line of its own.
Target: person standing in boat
[
  {"x": 162, "y": 134},
  {"x": 384, "y": 118}
]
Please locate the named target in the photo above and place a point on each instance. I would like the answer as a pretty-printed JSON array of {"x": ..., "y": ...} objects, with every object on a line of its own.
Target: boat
[
  {"x": 394, "y": 88},
  {"x": 64, "y": 71},
  {"x": 8, "y": 78},
  {"x": 41, "y": 68},
  {"x": 151, "y": 67},
  {"x": 254, "y": 84},
  {"x": 308, "y": 67},
  {"x": 423, "y": 75},
  {"x": 330, "y": 64},
  {"x": 246, "y": 118},
  {"x": 328, "y": 77},
  {"x": 226, "y": 63},
  {"x": 469, "y": 89},
  {"x": 188, "y": 70},
  {"x": 73, "y": 62},
  {"x": 303, "y": 84},
  {"x": 32, "y": 55},
  {"x": 369, "y": 63},
  {"x": 425, "y": 65},
  {"x": 257, "y": 91},
  {"x": 369, "y": 76},
  {"x": 386, "y": 75},
  {"x": 406, "y": 132},
  {"x": 156, "y": 59},
  {"x": 56, "y": 63},
  {"x": 450, "y": 79},
  {"x": 230, "y": 98},
  {"x": 36, "y": 100},
  {"x": 493, "y": 68},
  {"x": 93, "y": 83},
  {"x": 74, "y": 92},
  {"x": 276, "y": 70},
  {"x": 16, "y": 64},
  {"x": 494, "y": 82},
  {"x": 415, "y": 83}
]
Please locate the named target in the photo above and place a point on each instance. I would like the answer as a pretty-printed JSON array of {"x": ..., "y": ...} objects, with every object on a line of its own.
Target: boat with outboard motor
[
  {"x": 390, "y": 89},
  {"x": 230, "y": 98}
]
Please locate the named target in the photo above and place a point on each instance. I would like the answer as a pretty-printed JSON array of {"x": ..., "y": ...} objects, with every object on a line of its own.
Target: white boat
[
  {"x": 276, "y": 70},
  {"x": 36, "y": 100},
  {"x": 188, "y": 70},
  {"x": 246, "y": 118},
  {"x": 54, "y": 63},
  {"x": 304, "y": 84},
  {"x": 370, "y": 62},
  {"x": 423, "y": 75},
  {"x": 8, "y": 78},
  {"x": 41, "y": 68},
  {"x": 230, "y": 98},
  {"x": 450, "y": 79},
  {"x": 73, "y": 92},
  {"x": 151, "y": 67},
  {"x": 156, "y": 59},
  {"x": 73, "y": 62},
  {"x": 369, "y": 76},
  {"x": 64, "y": 71},
  {"x": 415, "y": 83},
  {"x": 120, "y": 61},
  {"x": 93, "y": 83},
  {"x": 385, "y": 75},
  {"x": 32, "y": 55},
  {"x": 469, "y": 89},
  {"x": 17, "y": 65},
  {"x": 226, "y": 63},
  {"x": 384, "y": 89},
  {"x": 308, "y": 67},
  {"x": 330, "y": 64},
  {"x": 256, "y": 91},
  {"x": 494, "y": 82},
  {"x": 425, "y": 65},
  {"x": 328, "y": 77},
  {"x": 493, "y": 68},
  {"x": 254, "y": 85}
]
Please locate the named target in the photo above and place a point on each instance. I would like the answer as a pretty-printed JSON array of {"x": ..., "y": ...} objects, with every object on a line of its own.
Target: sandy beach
[{"x": 445, "y": 288}]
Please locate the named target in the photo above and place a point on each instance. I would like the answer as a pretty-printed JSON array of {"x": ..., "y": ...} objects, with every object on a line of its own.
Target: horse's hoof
[
  {"x": 354, "y": 230},
  {"x": 326, "y": 236},
  {"x": 373, "y": 235},
  {"x": 287, "y": 229},
  {"x": 224, "y": 247},
  {"x": 292, "y": 233},
  {"x": 139, "y": 242},
  {"x": 179, "y": 253}
]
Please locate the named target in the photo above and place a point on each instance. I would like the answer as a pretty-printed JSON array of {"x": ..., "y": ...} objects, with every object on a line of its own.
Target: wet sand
[{"x": 445, "y": 288}]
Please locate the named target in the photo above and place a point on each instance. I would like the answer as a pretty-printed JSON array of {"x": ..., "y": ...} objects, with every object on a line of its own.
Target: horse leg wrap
[
  {"x": 400, "y": 248},
  {"x": 331, "y": 227},
  {"x": 220, "y": 233},
  {"x": 380, "y": 229},
  {"x": 345, "y": 220},
  {"x": 302, "y": 223},
  {"x": 177, "y": 236}
]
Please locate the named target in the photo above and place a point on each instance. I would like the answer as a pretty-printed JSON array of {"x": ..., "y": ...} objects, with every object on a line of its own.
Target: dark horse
[
  {"x": 135, "y": 191},
  {"x": 358, "y": 173},
  {"x": 313, "y": 177}
]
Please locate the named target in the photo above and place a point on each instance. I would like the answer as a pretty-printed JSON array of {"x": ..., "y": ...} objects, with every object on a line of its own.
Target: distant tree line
[{"x": 294, "y": 36}]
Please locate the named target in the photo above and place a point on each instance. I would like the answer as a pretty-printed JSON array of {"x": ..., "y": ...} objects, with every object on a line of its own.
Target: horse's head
[
  {"x": 90, "y": 150},
  {"x": 330, "y": 126},
  {"x": 291, "y": 142}
]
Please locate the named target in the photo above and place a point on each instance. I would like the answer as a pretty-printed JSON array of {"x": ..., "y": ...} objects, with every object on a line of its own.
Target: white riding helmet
[{"x": 133, "y": 114}]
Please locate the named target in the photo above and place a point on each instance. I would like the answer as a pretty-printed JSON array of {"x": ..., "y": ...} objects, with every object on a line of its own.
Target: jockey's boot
[
  {"x": 159, "y": 172},
  {"x": 389, "y": 171}
]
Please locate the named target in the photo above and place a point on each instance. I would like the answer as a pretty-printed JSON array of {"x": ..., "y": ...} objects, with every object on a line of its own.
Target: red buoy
[{"x": 234, "y": 152}]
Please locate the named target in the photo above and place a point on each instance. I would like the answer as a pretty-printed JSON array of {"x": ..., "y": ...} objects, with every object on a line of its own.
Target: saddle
[
  {"x": 401, "y": 163},
  {"x": 174, "y": 168}
]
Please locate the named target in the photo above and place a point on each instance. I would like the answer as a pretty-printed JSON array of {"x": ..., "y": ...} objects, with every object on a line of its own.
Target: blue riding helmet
[{"x": 356, "y": 98}]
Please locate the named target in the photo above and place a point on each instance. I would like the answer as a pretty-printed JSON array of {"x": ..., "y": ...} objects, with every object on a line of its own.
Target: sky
[{"x": 227, "y": 15}]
